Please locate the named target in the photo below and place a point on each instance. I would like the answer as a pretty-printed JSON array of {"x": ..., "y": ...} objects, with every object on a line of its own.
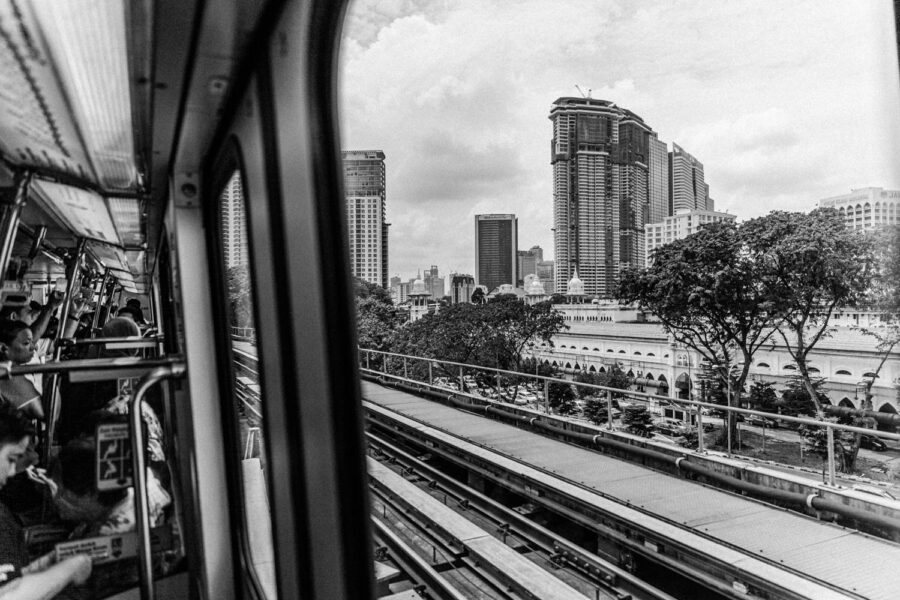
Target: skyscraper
[
  {"x": 234, "y": 223},
  {"x": 687, "y": 188},
  {"x": 527, "y": 262},
  {"x": 496, "y": 241},
  {"x": 659, "y": 180},
  {"x": 601, "y": 191},
  {"x": 364, "y": 189}
]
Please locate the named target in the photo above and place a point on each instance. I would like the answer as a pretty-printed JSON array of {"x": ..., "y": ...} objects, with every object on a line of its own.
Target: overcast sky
[{"x": 785, "y": 103}]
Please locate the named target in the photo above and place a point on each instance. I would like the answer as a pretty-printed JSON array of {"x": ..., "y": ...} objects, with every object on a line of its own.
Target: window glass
[{"x": 246, "y": 393}]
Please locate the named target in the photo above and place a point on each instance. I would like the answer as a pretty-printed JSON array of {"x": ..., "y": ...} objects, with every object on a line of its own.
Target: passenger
[
  {"x": 22, "y": 391},
  {"x": 82, "y": 399},
  {"x": 34, "y": 314},
  {"x": 99, "y": 513},
  {"x": 135, "y": 305},
  {"x": 19, "y": 579}
]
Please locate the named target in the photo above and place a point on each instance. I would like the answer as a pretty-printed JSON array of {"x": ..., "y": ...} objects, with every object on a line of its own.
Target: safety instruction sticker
[
  {"x": 114, "y": 459},
  {"x": 109, "y": 548}
]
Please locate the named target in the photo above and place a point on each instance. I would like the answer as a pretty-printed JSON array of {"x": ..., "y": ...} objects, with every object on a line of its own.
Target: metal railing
[
  {"x": 243, "y": 333},
  {"x": 399, "y": 366}
]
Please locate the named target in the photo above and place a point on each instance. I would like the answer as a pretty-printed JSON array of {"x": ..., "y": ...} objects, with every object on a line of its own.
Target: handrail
[
  {"x": 8, "y": 369},
  {"x": 683, "y": 402},
  {"x": 142, "y": 512},
  {"x": 106, "y": 340}
]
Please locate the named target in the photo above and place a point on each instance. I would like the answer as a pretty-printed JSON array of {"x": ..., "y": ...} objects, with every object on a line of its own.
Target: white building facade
[
  {"x": 866, "y": 208},
  {"x": 682, "y": 224},
  {"x": 596, "y": 340}
]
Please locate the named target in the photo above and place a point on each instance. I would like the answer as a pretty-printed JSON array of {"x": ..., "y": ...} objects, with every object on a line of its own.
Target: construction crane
[{"x": 581, "y": 91}]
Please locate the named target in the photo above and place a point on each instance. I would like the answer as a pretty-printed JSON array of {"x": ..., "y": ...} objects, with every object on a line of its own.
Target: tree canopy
[
  {"x": 811, "y": 264},
  {"x": 709, "y": 295},
  {"x": 490, "y": 335}
]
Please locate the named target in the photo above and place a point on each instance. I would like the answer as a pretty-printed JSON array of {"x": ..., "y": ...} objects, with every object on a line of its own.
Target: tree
[
  {"x": 478, "y": 296},
  {"x": 562, "y": 398},
  {"x": 595, "y": 402},
  {"x": 375, "y": 323},
  {"x": 366, "y": 289},
  {"x": 489, "y": 335},
  {"x": 709, "y": 295},
  {"x": 558, "y": 299},
  {"x": 883, "y": 296},
  {"x": 636, "y": 419},
  {"x": 240, "y": 303},
  {"x": 811, "y": 264},
  {"x": 795, "y": 400},
  {"x": 763, "y": 396}
]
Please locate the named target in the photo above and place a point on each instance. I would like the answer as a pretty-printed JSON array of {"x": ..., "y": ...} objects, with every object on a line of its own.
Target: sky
[{"x": 784, "y": 103}]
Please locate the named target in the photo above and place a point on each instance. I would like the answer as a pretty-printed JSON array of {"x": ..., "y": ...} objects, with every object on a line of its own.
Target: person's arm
[
  {"x": 75, "y": 311},
  {"x": 40, "y": 325},
  {"x": 46, "y": 584}
]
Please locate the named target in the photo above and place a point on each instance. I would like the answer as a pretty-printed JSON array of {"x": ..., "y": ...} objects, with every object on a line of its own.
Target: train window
[{"x": 245, "y": 385}]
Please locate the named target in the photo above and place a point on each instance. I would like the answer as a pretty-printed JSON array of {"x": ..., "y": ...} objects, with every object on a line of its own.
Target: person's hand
[
  {"x": 79, "y": 305},
  {"x": 81, "y": 565},
  {"x": 40, "y": 564},
  {"x": 56, "y": 298}
]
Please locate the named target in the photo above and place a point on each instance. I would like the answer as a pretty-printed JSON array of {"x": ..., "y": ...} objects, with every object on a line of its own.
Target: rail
[
  {"x": 142, "y": 512},
  {"x": 694, "y": 406}
]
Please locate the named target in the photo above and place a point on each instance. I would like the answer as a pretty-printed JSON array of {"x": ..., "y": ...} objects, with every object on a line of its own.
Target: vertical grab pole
[
  {"x": 53, "y": 400},
  {"x": 547, "y": 395},
  {"x": 430, "y": 373},
  {"x": 141, "y": 509},
  {"x": 10, "y": 223},
  {"x": 106, "y": 275}
]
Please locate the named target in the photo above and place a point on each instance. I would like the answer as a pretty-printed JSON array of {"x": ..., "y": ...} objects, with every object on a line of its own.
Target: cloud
[{"x": 784, "y": 103}]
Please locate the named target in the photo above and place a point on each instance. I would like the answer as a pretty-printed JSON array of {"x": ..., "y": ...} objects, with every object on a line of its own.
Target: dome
[
  {"x": 535, "y": 288},
  {"x": 575, "y": 286},
  {"x": 418, "y": 289}
]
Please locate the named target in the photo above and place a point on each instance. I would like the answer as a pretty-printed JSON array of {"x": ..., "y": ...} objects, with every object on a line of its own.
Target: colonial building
[{"x": 595, "y": 341}]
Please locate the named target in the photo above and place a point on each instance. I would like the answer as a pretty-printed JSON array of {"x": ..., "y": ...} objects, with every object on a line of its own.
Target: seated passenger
[
  {"x": 19, "y": 579},
  {"x": 22, "y": 391},
  {"x": 80, "y": 400},
  {"x": 99, "y": 513}
]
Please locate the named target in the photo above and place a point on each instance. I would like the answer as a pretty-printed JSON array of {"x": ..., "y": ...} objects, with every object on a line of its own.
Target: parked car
[
  {"x": 670, "y": 427},
  {"x": 761, "y": 421},
  {"x": 870, "y": 442}
]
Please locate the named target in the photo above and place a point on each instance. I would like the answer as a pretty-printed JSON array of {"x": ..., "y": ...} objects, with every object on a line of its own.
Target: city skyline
[{"x": 783, "y": 104}]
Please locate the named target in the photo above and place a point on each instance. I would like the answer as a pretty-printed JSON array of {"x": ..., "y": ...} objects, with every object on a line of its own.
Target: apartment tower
[
  {"x": 601, "y": 157},
  {"x": 364, "y": 192}
]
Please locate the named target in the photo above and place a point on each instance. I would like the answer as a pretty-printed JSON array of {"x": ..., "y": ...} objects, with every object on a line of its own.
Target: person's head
[
  {"x": 120, "y": 327},
  {"x": 16, "y": 432},
  {"x": 134, "y": 303},
  {"x": 27, "y": 314},
  {"x": 16, "y": 341},
  {"x": 74, "y": 473}
]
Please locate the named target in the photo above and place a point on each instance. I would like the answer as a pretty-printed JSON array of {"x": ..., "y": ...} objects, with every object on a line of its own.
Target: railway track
[{"x": 590, "y": 575}]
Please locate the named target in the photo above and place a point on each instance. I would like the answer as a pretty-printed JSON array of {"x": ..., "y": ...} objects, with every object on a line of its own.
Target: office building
[
  {"x": 600, "y": 155},
  {"x": 496, "y": 241},
  {"x": 462, "y": 287},
  {"x": 682, "y": 224},
  {"x": 364, "y": 189},
  {"x": 434, "y": 284},
  {"x": 687, "y": 188},
  {"x": 234, "y": 223},
  {"x": 659, "y": 180},
  {"x": 527, "y": 262},
  {"x": 866, "y": 209}
]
